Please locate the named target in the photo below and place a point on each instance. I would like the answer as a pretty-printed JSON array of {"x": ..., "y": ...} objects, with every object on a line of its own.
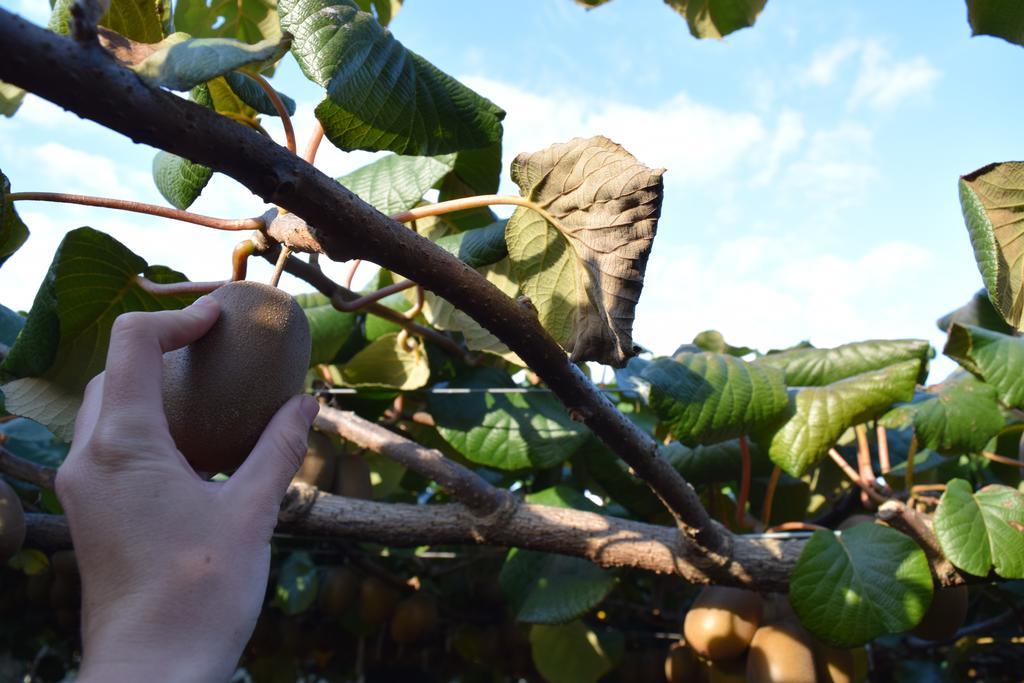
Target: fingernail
[{"x": 310, "y": 407}]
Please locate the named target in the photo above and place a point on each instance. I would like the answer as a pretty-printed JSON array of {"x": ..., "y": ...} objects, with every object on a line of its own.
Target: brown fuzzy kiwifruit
[
  {"x": 781, "y": 653},
  {"x": 338, "y": 591},
  {"x": 12, "y": 522},
  {"x": 353, "y": 478},
  {"x": 722, "y": 621},
  {"x": 377, "y": 600},
  {"x": 839, "y": 665},
  {"x": 415, "y": 618},
  {"x": 682, "y": 665},
  {"x": 320, "y": 462},
  {"x": 727, "y": 671},
  {"x": 944, "y": 616},
  {"x": 221, "y": 390}
]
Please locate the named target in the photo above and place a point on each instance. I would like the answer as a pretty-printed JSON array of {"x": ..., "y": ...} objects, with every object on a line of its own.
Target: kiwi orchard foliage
[{"x": 457, "y": 518}]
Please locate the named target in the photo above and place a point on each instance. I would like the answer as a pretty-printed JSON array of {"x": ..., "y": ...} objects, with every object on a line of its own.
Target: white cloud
[
  {"x": 825, "y": 65},
  {"x": 76, "y": 171},
  {"x": 884, "y": 82},
  {"x": 836, "y": 166},
  {"x": 785, "y": 140}
]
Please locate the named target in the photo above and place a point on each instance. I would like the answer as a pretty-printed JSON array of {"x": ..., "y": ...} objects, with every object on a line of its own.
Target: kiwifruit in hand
[
  {"x": 781, "y": 653},
  {"x": 839, "y": 665},
  {"x": 221, "y": 390},
  {"x": 338, "y": 591},
  {"x": 681, "y": 664},
  {"x": 415, "y": 618},
  {"x": 377, "y": 600},
  {"x": 722, "y": 621},
  {"x": 945, "y": 615},
  {"x": 320, "y": 462},
  {"x": 12, "y": 522}
]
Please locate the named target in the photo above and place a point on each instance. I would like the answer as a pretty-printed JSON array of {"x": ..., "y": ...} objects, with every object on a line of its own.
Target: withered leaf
[{"x": 581, "y": 262}]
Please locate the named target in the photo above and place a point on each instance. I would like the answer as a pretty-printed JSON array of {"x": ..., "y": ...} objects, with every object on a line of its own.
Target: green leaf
[
  {"x": 137, "y": 20},
  {"x": 250, "y": 92},
  {"x": 958, "y": 416},
  {"x": 997, "y": 359},
  {"x": 718, "y": 462},
  {"x": 297, "y": 584},
  {"x": 32, "y": 441},
  {"x": 384, "y": 363},
  {"x": 385, "y": 10},
  {"x": 869, "y": 581},
  {"x": 394, "y": 183},
  {"x": 13, "y": 232},
  {"x": 818, "y": 416},
  {"x": 544, "y": 588},
  {"x": 810, "y": 367},
  {"x": 179, "y": 180},
  {"x": 708, "y": 397},
  {"x": 714, "y": 341},
  {"x": 992, "y": 199},
  {"x": 978, "y": 312},
  {"x": 505, "y": 431},
  {"x": 1000, "y": 18},
  {"x": 568, "y": 653},
  {"x": 979, "y": 530},
  {"x": 379, "y": 94},
  {"x": 247, "y": 20},
  {"x": 477, "y": 247},
  {"x": 181, "y": 62},
  {"x": 717, "y": 18},
  {"x": 11, "y": 323},
  {"x": 582, "y": 261},
  {"x": 10, "y": 98},
  {"x": 329, "y": 328},
  {"x": 64, "y": 343}
]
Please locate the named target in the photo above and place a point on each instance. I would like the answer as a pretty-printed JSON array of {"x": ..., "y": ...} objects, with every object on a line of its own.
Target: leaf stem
[
  {"x": 314, "y": 143},
  {"x": 769, "y": 495},
  {"x": 867, "y": 474},
  {"x": 741, "y": 500},
  {"x": 240, "y": 259},
  {"x": 1002, "y": 459},
  {"x": 139, "y": 207},
  {"x": 177, "y": 288},
  {"x": 279, "y": 266},
  {"x": 464, "y": 203},
  {"x": 851, "y": 473},
  {"x": 275, "y": 99},
  {"x": 882, "y": 437}
]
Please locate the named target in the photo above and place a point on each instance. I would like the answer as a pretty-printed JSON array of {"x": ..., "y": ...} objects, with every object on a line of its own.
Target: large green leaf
[
  {"x": 582, "y": 261},
  {"x": 32, "y": 441},
  {"x": 997, "y": 359},
  {"x": 13, "y": 232},
  {"x": 714, "y": 341},
  {"x": 717, "y": 18},
  {"x": 869, "y": 581},
  {"x": 568, "y": 653},
  {"x": 10, "y": 98},
  {"x": 11, "y": 323},
  {"x": 545, "y": 588},
  {"x": 379, "y": 94},
  {"x": 476, "y": 172},
  {"x": 978, "y": 312},
  {"x": 507, "y": 431},
  {"x": 64, "y": 343},
  {"x": 247, "y": 20},
  {"x": 250, "y": 92},
  {"x": 709, "y": 397},
  {"x": 818, "y": 416},
  {"x": 138, "y": 20},
  {"x": 297, "y": 584},
  {"x": 992, "y": 199},
  {"x": 394, "y": 183},
  {"x": 477, "y": 247},
  {"x": 810, "y": 367},
  {"x": 979, "y": 530},
  {"x": 719, "y": 462},
  {"x": 179, "y": 180},
  {"x": 329, "y": 328},
  {"x": 1001, "y": 18},
  {"x": 961, "y": 415},
  {"x": 385, "y": 363},
  {"x": 385, "y": 10}
]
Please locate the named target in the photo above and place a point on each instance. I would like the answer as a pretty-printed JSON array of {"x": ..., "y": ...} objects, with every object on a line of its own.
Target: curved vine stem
[
  {"x": 1001, "y": 459},
  {"x": 882, "y": 437},
  {"x": 275, "y": 99},
  {"x": 177, "y": 288},
  {"x": 240, "y": 259},
  {"x": 350, "y": 275},
  {"x": 851, "y": 473},
  {"x": 314, "y": 143},
  {"x": 464, "y": 203},
  {"x": 769, "y": 495},
  {"x": 140, "y": 207}
]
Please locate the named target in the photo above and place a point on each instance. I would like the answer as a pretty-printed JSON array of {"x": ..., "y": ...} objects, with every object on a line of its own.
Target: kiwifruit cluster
[
  {"x": 221, "y": 390},
  {"x": 730, "y": 634}
]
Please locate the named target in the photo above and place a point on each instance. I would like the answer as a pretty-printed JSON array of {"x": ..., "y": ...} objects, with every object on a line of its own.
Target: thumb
[{"x": 264, "y": 476}]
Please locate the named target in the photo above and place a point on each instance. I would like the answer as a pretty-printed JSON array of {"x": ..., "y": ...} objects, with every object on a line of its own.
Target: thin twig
[
  {"x": 140, "y": 207},
  {"x": 279, "y": 266},
  {"x": 314, "y": 142},
  {"x": 769, "y": 495},
  {"x": 1003, "y": 460},
  {"x": 282, "y": 111},
  {"x": 177, "y": 288},
  {"x": 851, "y": 473},
  {"x": 864, "y": 469},
  {"x": 882, "y": 436},
  {"x": 350, "y": 305},
  {"x": 26, "y": 470}
]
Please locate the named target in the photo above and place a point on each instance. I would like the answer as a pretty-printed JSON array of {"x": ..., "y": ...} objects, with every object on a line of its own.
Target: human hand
[{"x": 174, "y": 568}]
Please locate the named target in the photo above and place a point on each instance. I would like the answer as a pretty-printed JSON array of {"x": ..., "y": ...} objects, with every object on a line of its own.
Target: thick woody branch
[
  {"x": 90, "y": 83},
  {"x": 461, "y": 483},
  {"x": 26, "y": 470}
]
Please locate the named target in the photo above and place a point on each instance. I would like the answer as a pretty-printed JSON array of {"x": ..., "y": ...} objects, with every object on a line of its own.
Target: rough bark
[{"x": 86, "y": 80}]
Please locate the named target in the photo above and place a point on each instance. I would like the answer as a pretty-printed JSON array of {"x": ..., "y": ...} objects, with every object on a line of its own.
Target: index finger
[{"x": 138, "y": 341}]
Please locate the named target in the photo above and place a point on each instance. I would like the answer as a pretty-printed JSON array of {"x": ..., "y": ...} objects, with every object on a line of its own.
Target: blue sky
[{"x": 811, "y": 160}]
